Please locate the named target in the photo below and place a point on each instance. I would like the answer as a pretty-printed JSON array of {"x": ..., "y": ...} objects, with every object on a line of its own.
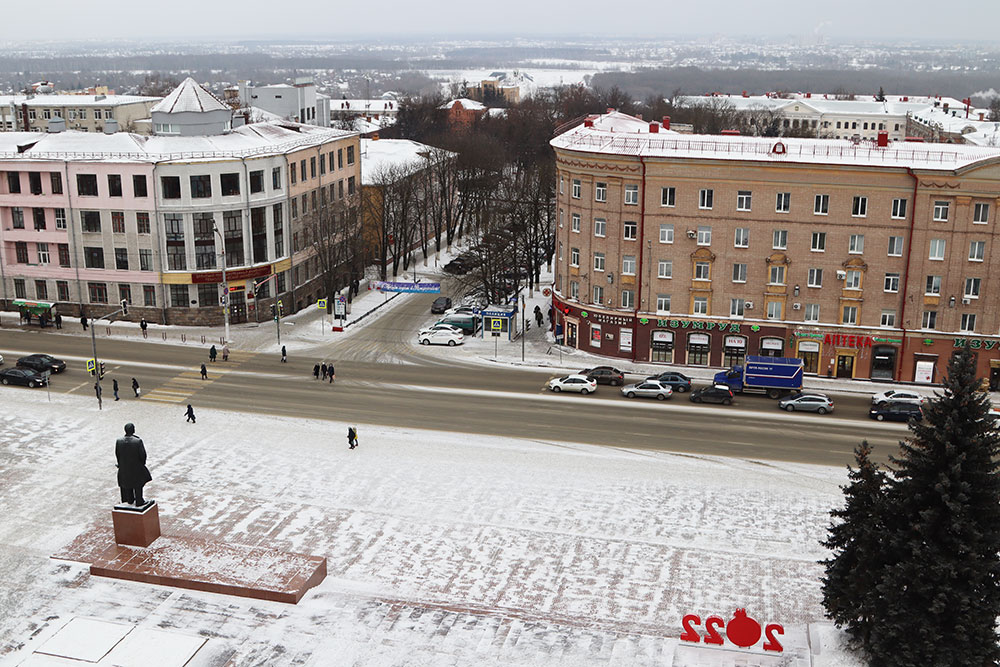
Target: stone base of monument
[{"x": 136, "y": 526}]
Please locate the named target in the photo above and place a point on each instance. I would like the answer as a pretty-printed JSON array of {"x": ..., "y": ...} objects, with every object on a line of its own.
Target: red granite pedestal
[{"x": 136, "y": 526}]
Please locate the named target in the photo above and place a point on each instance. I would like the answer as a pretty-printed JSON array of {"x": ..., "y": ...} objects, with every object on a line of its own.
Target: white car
[
  {"x": 440, "y": 327},
  {"x": 461, "y": 310},
  {"x": 903, "y": 396},
  {"x": 648, "y": 389},
  {"x": 577, "y": 383},
  {"x": 447, "y": 336}
]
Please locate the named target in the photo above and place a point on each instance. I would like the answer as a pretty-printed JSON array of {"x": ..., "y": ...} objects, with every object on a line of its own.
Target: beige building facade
[{"x": 86, "y": 113}]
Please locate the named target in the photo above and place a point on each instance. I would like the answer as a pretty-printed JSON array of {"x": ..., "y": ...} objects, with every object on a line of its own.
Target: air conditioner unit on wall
[
  {"x": 841, "y": 275},
  {"x": 748, "y": 305},
  {"x": 692, "y": 234},
  {"x": 966, "y": 302},
  {"x": 796, "y": 306}
]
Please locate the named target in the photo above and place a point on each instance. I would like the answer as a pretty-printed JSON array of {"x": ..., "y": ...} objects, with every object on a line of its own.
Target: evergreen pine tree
[
  {"x": 939, "y": 597},
  {"x": 881, "y": 94},
  {"x": 856, "y": 540}
]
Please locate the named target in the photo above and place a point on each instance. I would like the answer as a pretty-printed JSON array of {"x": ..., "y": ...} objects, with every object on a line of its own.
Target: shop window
[
  {"x": 734, "y": 350},
  {"x": 809, "y": 354},
  {"x": 772, "y": 347},
  {"x": 698, "y": 349},
  {"x": 662, "y": 347}
]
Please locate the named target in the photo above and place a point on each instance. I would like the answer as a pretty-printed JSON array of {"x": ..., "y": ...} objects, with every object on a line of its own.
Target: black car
[
  {"x": 714, "y": 394},
  {"x": 677, "y": 381},
  {"x": 605, "y": 375},
  {"x": 42, "y": 362},
  {"x": 896, "y": 411},
  {"x": 21, "y": 376},
  {"x": 441, "y": 304}
]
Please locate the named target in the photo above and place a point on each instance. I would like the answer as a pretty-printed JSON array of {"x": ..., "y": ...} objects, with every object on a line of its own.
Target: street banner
[{"x": 406, "y": 287}]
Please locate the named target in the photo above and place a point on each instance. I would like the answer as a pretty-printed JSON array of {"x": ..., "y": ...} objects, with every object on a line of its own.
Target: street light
[
  {"x": 225, "y": 284},
  {"x": 93, "y": 344}
]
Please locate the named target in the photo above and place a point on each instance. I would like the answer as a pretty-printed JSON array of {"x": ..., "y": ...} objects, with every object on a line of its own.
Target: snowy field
[{"x": 442, "y": 549}]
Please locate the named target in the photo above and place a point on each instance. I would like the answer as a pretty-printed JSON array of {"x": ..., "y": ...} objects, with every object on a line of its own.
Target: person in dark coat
[
  {"x": 83, "y": 321},
  {"x": 114, "y": 386},
  {"x": 316, "y": 372},
  {"x": 284, "y": 355},
  {"x": 538, "y": 316},
  {"x": 190, "y": 414},
  {"x": 132, "y": 471},
  {"x": 143, "y": 325},
  {"x": 58, "y": 321},
  {"x": 330, "y": 374},
  {"x": 322, "y": 370},
  {"x": 204, "y": 372},
  {"x": 352, "y": 436},
  {"x": 212, "y": 353},
  {"x": 135, "y": 387}
]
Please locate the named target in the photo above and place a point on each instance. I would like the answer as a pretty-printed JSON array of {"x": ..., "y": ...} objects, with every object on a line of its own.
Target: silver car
[
  {"x": 819, "y": 403},
  {"x": 648, "y": 389}
]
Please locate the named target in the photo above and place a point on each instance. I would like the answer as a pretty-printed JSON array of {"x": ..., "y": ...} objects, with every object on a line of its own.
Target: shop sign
[
  {"x": 663, "y": 340},
  {"x": 615, "y": 320},
  {"x": 976, "y": 343},
  {"x": 730, "y": 327},
  {"x": 698, "y": 339},
  {"x": 595, "y": 335},
  {"x": 231, "y": 275},
  {"x": 809, "y": 346},
  {"x": 772, "y": 343},
  {"x": 843, "y": 340},
  {"x": 735, "y": 341},
  {"x": 625, "y": 340}
]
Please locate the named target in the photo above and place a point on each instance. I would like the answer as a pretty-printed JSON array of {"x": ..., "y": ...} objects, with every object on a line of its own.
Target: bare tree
[{"x": 333, "y": 232}]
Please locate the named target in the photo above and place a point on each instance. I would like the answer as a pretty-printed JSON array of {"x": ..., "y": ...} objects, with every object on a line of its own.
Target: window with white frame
[
  {"x": 859, "y": 209},
  {"x": 562, "y": 218},
  {"x": 630, "y": 230},
  {"x": 598, "y": 261},
  {"x": 815, "y": 278},
  {"x": 667, "y": 196},
  {"x": 663, "y": 303},
  {"x": 777, "y": 274},
  {"x": 933, "y": 285},
  {"x": 742, "y": 237},
  {"x": 981, "y": 214},
  {"x": 705, "y": 198},
  {"x": 898, "y": 209},
  {"x": 631, "y": 194},
  {"x": 628, "y": 298},
  {"x": 856, "y": 244},
  {"x": 818, "y": 242},
  {"x": 43, "y": 253},
  {"x": 891, "y": 282},
  {"x": 779, "y": 240},
  {"x": 853, "y": 280},
  {"x": 667, "y": 233},
  {"x": 574, "y": 257},
  {"x": 576, "y": 189},
  {"x": 736, "y": 307},
  {"x": 704, "y": 235},
  {"x": 600, "y": 227},
  {"x": 628, "y": 265},
  {"x": 937, "y": 248},
  {"x": 701, "y": 305},
  {"x": 739, "y": 272},
  {"x": 574, "y": 290},
  {"x": 968, "y": 322},
  {"x": 575, "y": 222},
  {"x": 600, "y": 192},
  {"x": 665, "y": 269},
  {"x": 977, "y": 251},
  {"x": 783, "y": 202},
  {"x": 812, "y": 312},
  {"x": 774, "y": 310},
  {"x": 560, "y": 251},
  {"x": 60, "y": 218},
  {"x": 941, "y": 211},
  {"x": 562, "y": 184},
  {"x": 821, "y": 205},
  {"x": 598, "y": 295},
  {"x": 888, "y": 318},
  {"x": 743, "y": 200},
  {"x": 849, "y": 315},
  {"x": 895, "y": 246},
  {"x": 701, "y": 270},
  {"x": 929, "y": 320},
  {"x": 972, "y": 286}
]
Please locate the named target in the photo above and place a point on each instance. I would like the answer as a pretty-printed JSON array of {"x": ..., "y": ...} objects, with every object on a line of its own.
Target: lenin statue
[{"x": 132, "y": 471}]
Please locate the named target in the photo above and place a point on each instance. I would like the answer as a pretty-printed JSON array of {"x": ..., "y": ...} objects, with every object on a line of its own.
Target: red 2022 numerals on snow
[{"x": 742, "y": 630}]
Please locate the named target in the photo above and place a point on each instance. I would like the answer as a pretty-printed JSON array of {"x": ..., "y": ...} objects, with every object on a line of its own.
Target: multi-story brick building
[
  {"x": 90, "y": 219},
  {"x": 866, "y": 260},
  {"x": 86, "y": 113}
]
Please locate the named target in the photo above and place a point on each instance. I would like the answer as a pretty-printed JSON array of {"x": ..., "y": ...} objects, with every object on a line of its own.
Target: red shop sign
[
  {"x": 231, "y": 274},
  {"x": 843, "y": 340}
]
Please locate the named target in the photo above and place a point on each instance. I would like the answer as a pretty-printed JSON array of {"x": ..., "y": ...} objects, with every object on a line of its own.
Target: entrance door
[
  {"x": 883, "y": 362},
  {"x": 237, "y": 307},
  {"x": 571, "y": 334},
  {"x": 845, "y": 366}
]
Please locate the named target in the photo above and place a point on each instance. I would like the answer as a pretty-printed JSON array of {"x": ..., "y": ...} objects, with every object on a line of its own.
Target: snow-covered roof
[
  {"x": 465, "y": 103},
  {"x": 189, "y": 96},
  {"x": 894, "y": 105},
  {"x": 640, "y": 141},
  {"x": 74, "y": 100},
  {"x": 616, "y": 121},
  {"x": 381, "y": 154}
]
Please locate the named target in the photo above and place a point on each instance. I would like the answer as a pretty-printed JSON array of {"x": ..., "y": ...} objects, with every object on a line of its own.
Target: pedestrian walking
[
  {"x": 58, "y": 321},
  {"x": 135, "y": 387},
  {"x": 114, "y": 387},
  {"x": 316, "y": 372},
  {"x": 352, "y": 436},
  {"x": 284, "y": 355},
  {"x": 212, "y": 354},
  {"x": 322, "y": 369},
  {"x": 204, "y": 372},
  {"x": 97, "y": 389},
  {"x": 83, "y": 321},
  {"x": 225, "y": 352},
  {"x": 329, "y": 372},
  {"x": 143, "y": 325},
  {"x": 538, "y": 316},
  {"x": 550, "y": 314},
  {"x": 41, "y": 321},
  {"x": 190, "y": 414}
]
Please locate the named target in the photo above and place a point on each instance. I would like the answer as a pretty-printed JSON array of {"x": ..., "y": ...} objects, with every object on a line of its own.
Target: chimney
[
  {"x": 98, "y": 98},
  {"x": 588, "y": 123},
  {"x": 906, "y": 98},
  {"x": 883, "y": 139},
  {"x": 666, "y": 122},
  {"x": 654, "y": 128},
  {"x": 981, "y": 116},
  {"x": 946, "y": 107},
  {"x": 56, "y": 125},
  {"x": 809, "y": 96},
  {"x": 745, "y": 94},
  {"x": 110, "y": 126}
]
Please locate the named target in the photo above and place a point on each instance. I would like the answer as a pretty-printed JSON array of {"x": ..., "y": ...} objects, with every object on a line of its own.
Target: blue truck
[{"x": 774, "y": 376}]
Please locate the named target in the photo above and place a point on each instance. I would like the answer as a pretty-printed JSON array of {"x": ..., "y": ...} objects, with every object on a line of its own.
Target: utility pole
[
  {"x": 225, "y": 284},
  {"x": 524, "y": 329}
]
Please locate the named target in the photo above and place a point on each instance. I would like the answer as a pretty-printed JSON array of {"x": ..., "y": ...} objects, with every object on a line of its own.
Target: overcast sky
[{"x": 197, "y": 19}]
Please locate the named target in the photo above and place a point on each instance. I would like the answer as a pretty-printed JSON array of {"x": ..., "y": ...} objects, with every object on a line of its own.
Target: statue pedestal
[{"x": 136, "y": 526}]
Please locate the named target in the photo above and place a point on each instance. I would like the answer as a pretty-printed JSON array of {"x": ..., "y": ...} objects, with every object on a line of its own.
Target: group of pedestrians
[
  {"x": 326, "y": 371},
  {"x": 114, "y": 388}
]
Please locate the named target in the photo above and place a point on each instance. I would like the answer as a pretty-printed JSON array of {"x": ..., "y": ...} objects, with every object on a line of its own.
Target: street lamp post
[
  {"x": 225, "y": 284},
  {"x": 93, "y": 347}
]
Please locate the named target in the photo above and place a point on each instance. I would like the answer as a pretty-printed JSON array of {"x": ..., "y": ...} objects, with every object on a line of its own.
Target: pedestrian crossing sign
[
  {"x": 91, "y": 365},
  {"x": 496, "y": 324},
  {"x": 321, "y": 303}
]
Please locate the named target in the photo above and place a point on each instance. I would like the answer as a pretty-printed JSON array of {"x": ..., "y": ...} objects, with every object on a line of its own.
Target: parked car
[
  {"x": 648, "y": 389},
  {"x": 677, "y": 381},
  {"x": 578, "y": 383},
  {"x": 820, "y": 403},
  {"x": 467, "y": 323},
  {"x": 439, "y": 327},
  {"x": 718, "y": 393},
  {"x": 899, "y": 396},
  {"x": 441, "y": 336},
  {"x": 42, "y": 362},
  {"x": 896, "y": 411},
  {"x": 22, "y": 376},
  {"x": 1, "y": 359},
  {"x": 440, "y": 305},
  {"x": 605, "y": 375},
  {"x": 461, "y": 310}
]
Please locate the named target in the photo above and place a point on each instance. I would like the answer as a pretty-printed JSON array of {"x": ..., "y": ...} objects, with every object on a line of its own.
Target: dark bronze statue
[{"x": 132, "y": 470}]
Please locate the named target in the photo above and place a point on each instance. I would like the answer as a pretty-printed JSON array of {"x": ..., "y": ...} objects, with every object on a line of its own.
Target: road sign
[
  {"x": 91, "y": 365},
  {"x": 546, "y": 292},
  {"x": 321, "y": 303},
  {"x": 496, "y": 324},
  {"x": 340, "y": 306},
  {"x": 222, "y": 300}
]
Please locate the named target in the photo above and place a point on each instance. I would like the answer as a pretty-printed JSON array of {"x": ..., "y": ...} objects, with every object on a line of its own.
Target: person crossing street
[
  {"x": 190, "y": 414},
  {"x": 114, "y": 386},
  {"x": 284, "y": 355},
  {"x": 204, "y": 372},
  {"x": 135, "y": 387},
  {"x": 352, "y": 436}
]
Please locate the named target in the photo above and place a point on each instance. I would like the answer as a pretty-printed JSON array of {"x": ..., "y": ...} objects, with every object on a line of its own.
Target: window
[
  {"x": 774, "y": 310},
  {"x": 821, "y": 206},
  {"x": 598, "y": 261},
  {"x": 91, "y": 221},
  {"x": 628, "y": 265},
  {"x": 628, "y": 298},
  {"x": 739, "y": 273},
  {"x": 665, "y": 269},
  {"x": 598, "y": 294},
  {"x": 849, "y": 315},
  {"x": 93, "y": 257},
  {"x": 701, "y": 270},
  {"x": 208, "y": 295},
  {"x": 201, "y": 186},
  {"x": 38, "y": 215},
  {"x": 258, "y": 234},
  {"x": 818, "y": 242},
  {"x": 666, "y": 233},
  {"x": 256, "y": 181},
  {"x": 312, "y": 167},
  {"x": 230, "y": 184},
  {"x": 575, "y": 192},
  {"x": 853, "y": 280},
  {"x": 981, "y": 214},
  {"x": 574, "y": 257},
  {"x": 667, "y": 196},
  {"x": 98, "y": 292},
  {"x": 898, "y": 208},
  {"x": 171, "y": 186},
  {"x": 62, "y": 290},
  {"x": 114, "y": 185},
  {"x": 600, "y": 227},
  {"x": 302, "y": 170},
  {"x": 35, "y": 182},
  {"x": 63, "y": 249},
  {"x": 891, "y": 283},
  {"x": 972, "y": 286},
  {"x": 860, "y": 207},
  {"x": 121, "y": 259},
  {"x": 43, "y": 253},
  {"x": 179, "y": 296},
  {"x": 21, "y": 252},
  {"x": 742, "y": 237},
  {"x": 631, "y": 195},
  {"x": 55, "y": 178},
  {"x": 705, "y": 199},
  {"x": 888, "y": 318},
  {"x": 977, "y": 251},
  {"x": 291, "y": 172},
  {"x": 815, "y": 278},
  {"x": 895, "y": 246},
  {"x": 812, "y": 312},
  {"x": 562, "y": 179},
  {"x": 777, "y": 275},
  {"x": 856, "y": 245},
  {"x": 277, "y": 222},
  {"x": 574, "y": 290},
  {"x": 139, "y": 185},
  {"x": 663, "y": 303},
  {"x": 933, "y": 285},
  {"x": 118, "y": 222},
  {"x": 350, "y": 185},
  {"x": 743, "y": 200},
  {"x": 968, "y": 322},
  {"x": 295, "y": 207},
  {"x": 204, "y": 240},
  {"x": 575, "y": 222},
  {"x": 929, "y": 319},
  {"x": 145, "y": 259},
  {"x": 86, "y": 185},
  {"x": 779, "y": 239},
  {"x": 600, "y": 192},
  {"x": 941, "y": 211},
  {"x": 276, "y": 175},
  {"x": 937, "y": 249},
  {"x": 631, "y": 231},
  {"x": 60, "y": 214},
  {"x": 736, "y": 307},
  {"x": 17, "y": 217},
  {"x": 19, "y": 291},
  {"x": 701, "y": 305},
  {"x": 350, "y": 155},
  {"x": 176, "y": 260},
  {"x": 783, "y": 203},
  {"x": 142, "y": 222},
  {"x": 149, "y": 295}
]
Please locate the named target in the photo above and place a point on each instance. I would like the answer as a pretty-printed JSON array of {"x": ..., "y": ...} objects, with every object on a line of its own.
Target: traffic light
[
  {"x": 274, "y": 312},
  {"x": 102, "y": 370},
  {"x": 124, "y": 307}
]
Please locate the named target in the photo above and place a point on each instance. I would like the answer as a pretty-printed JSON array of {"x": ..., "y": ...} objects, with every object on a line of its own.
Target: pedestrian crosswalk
[{"x": 180, "y": 388}]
